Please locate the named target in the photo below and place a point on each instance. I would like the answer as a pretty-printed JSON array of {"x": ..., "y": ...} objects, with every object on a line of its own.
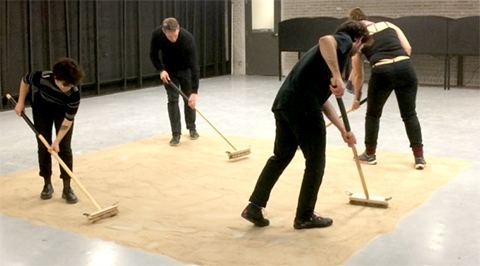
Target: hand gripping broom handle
[
  {"x": 171, "y": 83},
  {"x": 60, "y": 161}
]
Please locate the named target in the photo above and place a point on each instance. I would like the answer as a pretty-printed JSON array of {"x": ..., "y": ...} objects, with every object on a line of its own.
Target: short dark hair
[
  {"x": 357, "y": 14},
  {"x": 170, "y": 24},
  {"x": 68, "y": 70},
  {"x": 356, "y": 30}
]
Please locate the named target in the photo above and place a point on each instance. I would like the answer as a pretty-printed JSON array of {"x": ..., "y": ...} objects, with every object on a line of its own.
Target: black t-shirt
[
  {"x": 180, "y": 55},
  {"x": 307, "y": 86}
]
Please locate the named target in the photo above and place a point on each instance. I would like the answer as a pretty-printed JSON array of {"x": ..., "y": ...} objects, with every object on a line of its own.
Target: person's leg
[
  {"x": 379, "y": 89},
  {"x": 43, "y": 122},
  {"x": 186, "y": 87},
  {"x": 284, "y": 150},
  {"x": 174, "y": 111},
  {"x": 66, "y": 155},
  {"x": 406, "y": 92},
  {"x": 310, "y": 132}
]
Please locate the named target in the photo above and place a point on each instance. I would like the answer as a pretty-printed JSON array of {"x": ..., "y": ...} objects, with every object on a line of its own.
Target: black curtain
[{"x": 110, "y": 39}]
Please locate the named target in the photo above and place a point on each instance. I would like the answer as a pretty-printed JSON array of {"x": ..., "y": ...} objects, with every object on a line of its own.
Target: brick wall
[{"x": 430, "y": 69}]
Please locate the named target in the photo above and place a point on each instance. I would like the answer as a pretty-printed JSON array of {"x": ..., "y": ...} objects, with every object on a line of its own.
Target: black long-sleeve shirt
[{"x": 173, "y": 56}]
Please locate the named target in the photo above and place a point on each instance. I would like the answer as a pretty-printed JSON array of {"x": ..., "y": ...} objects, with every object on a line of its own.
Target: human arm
[
  {"x": 64, "y": 128},
  {"x": 403, "y": 39},
  {"x": 332, "y": 115},
  {"x": 328, "y": 49},
  {"x": 155, "y": 57},
  {"x": 357, "y": 77},
  {"x": 21, "y": 97}
]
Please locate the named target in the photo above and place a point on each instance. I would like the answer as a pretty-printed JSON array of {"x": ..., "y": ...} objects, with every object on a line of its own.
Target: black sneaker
[
  {"x": 175, "y": 140},
  {"x": 47, "y": 191},
  {"x": 254, "y": 215},
  {"x": 194, "y": 134},
  {"x": 314, "y": 221},
  {"x": 68, "y": 195},
  {"x": 420, "y": 163}
]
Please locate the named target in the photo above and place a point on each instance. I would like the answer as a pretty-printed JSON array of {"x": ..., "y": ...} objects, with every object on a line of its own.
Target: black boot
[
  {"x": 68, "y": 195},
  {"x": 47, "y": 191},
  {"x": 175, "y": 140}
]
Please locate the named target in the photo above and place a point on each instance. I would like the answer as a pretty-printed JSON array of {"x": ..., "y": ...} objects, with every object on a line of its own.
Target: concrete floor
[{"x": 445, "y": 230}]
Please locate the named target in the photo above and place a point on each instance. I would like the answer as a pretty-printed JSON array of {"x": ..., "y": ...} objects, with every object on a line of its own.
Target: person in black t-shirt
[
  {"x": 299, "y": 120},
  {"x": 392, "y": 70},
  {"x": 55, "y": 102},
  {"x": 177, "y": 62}
]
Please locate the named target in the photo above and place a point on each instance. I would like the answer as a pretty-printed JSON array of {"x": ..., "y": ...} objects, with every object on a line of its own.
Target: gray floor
[{"x": 443, "y": 231}]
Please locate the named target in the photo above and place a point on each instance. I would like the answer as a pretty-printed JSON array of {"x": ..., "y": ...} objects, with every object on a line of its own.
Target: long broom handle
[
  {"x": 354, "y": 149},
  {"x": 52, "y": 152},
  {"x": 348, "y": 111},
  {"x": 200, "y": 113}
]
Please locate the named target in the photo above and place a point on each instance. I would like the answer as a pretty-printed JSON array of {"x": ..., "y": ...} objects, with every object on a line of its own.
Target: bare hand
[
  {"x": 355, "y": 105},
  {"x": 19, "y": 108},
  {"x": 54, "y": 147},
  {"x": 192, "y": 101},
  {"x": 337, "y": 87},
  {"x": 349, "y": 138},
  {"x": 165, "y": 77}
]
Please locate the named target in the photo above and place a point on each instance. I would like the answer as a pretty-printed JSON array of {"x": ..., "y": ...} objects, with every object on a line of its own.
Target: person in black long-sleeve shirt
[
  {"x": 173, "y": 53},
  {"x": 56, "y": 99}
]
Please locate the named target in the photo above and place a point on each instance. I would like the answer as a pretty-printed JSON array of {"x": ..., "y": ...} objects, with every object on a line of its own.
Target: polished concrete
[{"x": 445, "y": 230}]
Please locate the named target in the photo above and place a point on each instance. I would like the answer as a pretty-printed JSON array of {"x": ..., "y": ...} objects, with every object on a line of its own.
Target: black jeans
[
  {"x": 401, "y": 78},
  {"x": 45, "y": 115},
  {"x": 182, "y": 79},
  {"x": 293, "y": 129}
]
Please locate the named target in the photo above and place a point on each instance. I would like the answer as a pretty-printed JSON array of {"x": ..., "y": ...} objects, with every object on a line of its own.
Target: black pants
[
  {"x": 182, "y": 79},
  {"x": 401, "y": 78},
  {"x": 45, "y": 115},
  {"x": 293, "y": 129}
]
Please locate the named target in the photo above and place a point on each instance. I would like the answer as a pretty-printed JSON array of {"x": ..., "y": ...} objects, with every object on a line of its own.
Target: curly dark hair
[
  {"x": 68, "y": 71},
  {"x": 357, "y": 14},
  {"x": 355, "y": 30}
]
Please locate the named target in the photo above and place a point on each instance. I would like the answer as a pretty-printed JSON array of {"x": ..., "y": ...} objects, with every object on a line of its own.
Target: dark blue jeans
[
  {"x": 401, "y": 78},
  {"x": 294, "y": 129},
  {"x": 45, "y": 115},
  {"x": 182, "y": 79}
]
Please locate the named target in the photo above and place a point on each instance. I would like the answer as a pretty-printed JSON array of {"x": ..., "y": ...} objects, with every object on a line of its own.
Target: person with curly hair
[{"x": 56, "y": 99}]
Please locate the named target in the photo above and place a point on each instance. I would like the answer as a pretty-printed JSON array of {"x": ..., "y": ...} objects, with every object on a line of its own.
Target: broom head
[
  {"x": 103, "y": 213},
  {"x": 372, "y": 201},
  {"x": 238, "y": 153}
]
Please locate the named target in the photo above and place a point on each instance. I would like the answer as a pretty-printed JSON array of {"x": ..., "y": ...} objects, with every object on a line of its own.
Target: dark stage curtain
[{"x": 110, "y": 39}]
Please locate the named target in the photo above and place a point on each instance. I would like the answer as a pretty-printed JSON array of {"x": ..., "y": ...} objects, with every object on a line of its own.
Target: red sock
[
  {"x": 417, "y": 151},
  {"x": 370, "y": 149}
]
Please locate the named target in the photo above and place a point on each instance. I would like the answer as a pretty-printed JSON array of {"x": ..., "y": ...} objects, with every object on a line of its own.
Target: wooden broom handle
[
  {"x": 52, "y": 152},
  {"x": 171, "y": 83},
  {"x": 354, "y": 149}
]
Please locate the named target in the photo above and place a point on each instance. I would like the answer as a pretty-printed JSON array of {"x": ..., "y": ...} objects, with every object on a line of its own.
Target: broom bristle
[
  {"x": 102, "y": 214},
  {"x": 372, "y": 201},
  {"x": 239, "y": 153},
  {"x": 369, "y": 204}
]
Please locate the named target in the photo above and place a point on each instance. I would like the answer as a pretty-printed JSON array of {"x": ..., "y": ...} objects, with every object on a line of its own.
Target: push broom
[
  {"x": 92, "y": 217},
  {"x": 358, "y": 199},
  {"x": 231, "y": 155}
]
